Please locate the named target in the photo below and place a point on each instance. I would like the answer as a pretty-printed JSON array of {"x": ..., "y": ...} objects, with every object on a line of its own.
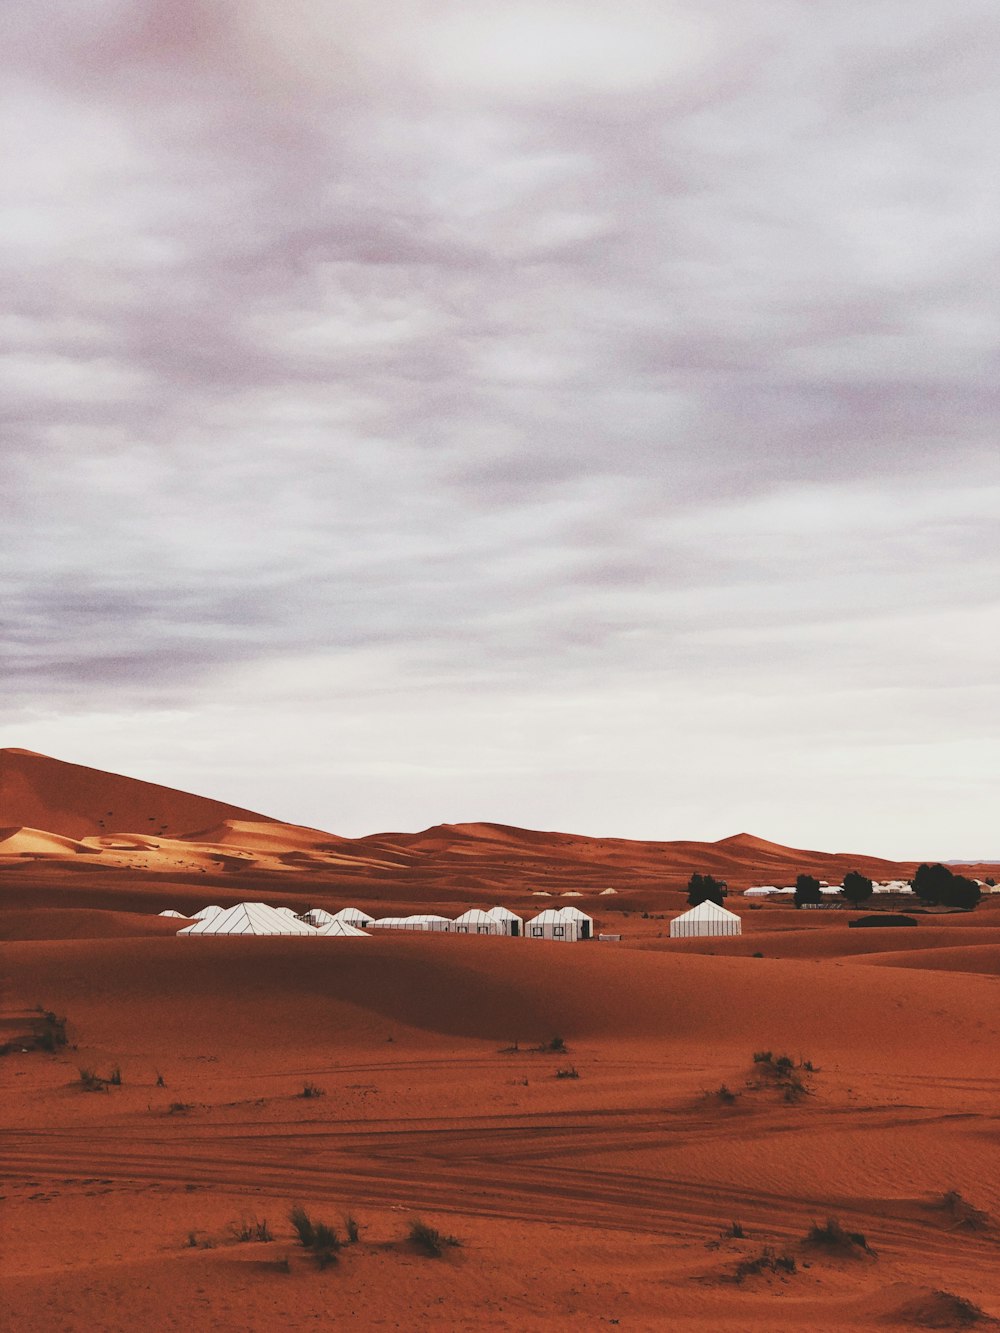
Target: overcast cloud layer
[{"x": 573, "y": 415}]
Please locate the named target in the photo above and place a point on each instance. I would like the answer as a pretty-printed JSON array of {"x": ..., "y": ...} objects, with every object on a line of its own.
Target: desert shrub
[
  {"x": 943, "y": 1309},
  {"x": 92, "y": 1082},
  {"x": 832, "y": 1236},
  {"x": 160, "y": 1080},
  {"x": 311, "y": 1090},
  {"x": 571, "y": 1072},
  {"x": 762, "y": 1057},
  {"x": 318, "y": 1237},
  {"x": 251, "y": 1228},
  {"x": 962, "y": 1213},
  {"x": 302, "y": 1225},
  {"x": 115, "y": 1077},
  {"x": 734, "y": 1231},
  {"x": 783, "y": 1072},
  {"x": 179, "y": 1108},
  {"x": 429, "y": 1239},
  {"x": 768, "y": 1261},
  {"x": 725, "y": 1094},
  {"x": 555, "y": 1045},
  {"x": 352, "y": 1229}
]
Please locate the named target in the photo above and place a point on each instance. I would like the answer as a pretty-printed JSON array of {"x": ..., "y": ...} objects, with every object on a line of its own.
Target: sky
[{"x": 571, "y": 415}]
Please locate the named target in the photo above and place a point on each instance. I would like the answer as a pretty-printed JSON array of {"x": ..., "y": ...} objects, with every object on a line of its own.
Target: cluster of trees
[
  {"x": 936, "y": 884},
  {"x": 703, "y": 888}
]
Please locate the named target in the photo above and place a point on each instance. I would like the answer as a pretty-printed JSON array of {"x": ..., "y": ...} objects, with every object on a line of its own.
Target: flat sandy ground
[{"x": 582, "y": 1202}]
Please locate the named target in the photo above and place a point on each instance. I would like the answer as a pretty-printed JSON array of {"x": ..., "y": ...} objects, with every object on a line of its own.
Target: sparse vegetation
[
  {"x": 734, "y": 1231},
  {"x": 570, "y": 1072},
  {"x": 48, "y": 1034},
  {"x": 554, "y": 1046},
  {"x": 352, "y": 1229},
  {"x": 784, "y": 1073},
  {"x": 961, "y": 1213},
  {"x": 431, "y": 1241},
  {"x": 92, "y": 1082},
  {"x": 943, "y": 1309},
  {"x": 768, "y": 1261},
  {"x": 160, "y": 1080},
  {"x": 831, "y": 1235},
  {"x": 725, "y": 1095},
  {"x": 115, "y": 1077},
  {"x": 311, "y": 1090},
  {"x": 179, "y": 1108},
  {"x": 251, "y": 1229},
  {"x": 318, "y": 1237}
]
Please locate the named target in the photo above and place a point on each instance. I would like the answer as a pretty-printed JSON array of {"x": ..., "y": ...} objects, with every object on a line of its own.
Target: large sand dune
[{"x": 602, "y": 1197}]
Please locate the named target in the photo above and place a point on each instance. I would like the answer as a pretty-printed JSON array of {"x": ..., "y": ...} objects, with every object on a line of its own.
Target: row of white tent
[
  {"x": 774, "y": 890},
  {"x": 563, "y": 923}
]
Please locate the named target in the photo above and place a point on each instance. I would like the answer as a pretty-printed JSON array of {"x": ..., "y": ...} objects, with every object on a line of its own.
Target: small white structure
[
  {"x": 426, "y": 921},
  {"x": 180, "y": 915},
  {"x": 353, "y": 916},
  {"x": 509, "y": 923},
  {"x": 476, "y": 922},
  {"x": 207, "y": 912},
  {"x": 249, "y": 919},
  {"x": 563, "y": 923},
  {"x": 707, "y": 918},
  {"x": 606, "y": 893},
  {"x": 342, "y": 928},
  {"x": 761, "y": 891}
]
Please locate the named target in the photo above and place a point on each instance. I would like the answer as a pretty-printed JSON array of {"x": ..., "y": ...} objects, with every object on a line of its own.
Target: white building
[
  {"x": 476, "y": 922},
  {"x": 707, "y": 918},
  {"x": 562, "y": 923},
  {"x": 425, "y": 921},
  {"x": 509, "y": 923}
]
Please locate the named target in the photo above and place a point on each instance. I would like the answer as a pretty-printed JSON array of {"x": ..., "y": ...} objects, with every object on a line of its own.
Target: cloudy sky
[{"x": 575, "y": 415}]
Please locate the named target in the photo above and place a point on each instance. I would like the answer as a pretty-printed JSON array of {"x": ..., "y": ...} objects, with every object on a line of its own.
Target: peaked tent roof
[
  {"x": 707, "y": 911},
  {"x": 170, "y": 912},
  {"x": 351, "y": 914},
  {"x": 475, "y": 916},
  {"x": 248, "y": 919},
  {"x": 342, "y": 928},
  {"x": 503, "y": 914}
]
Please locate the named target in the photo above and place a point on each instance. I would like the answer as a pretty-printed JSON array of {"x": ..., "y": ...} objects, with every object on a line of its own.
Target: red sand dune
[{"x": 604, "y": 1196}]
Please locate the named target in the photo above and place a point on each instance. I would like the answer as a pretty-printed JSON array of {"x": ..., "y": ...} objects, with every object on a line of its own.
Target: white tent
[
  {"x": 559, "y": 924},
  {"x": 585, "y": 923},
  {"x": 318, "y": 916},
  {"x": 170, "y": 912},
  {"x": 353, "y": 916},
  {"x": 248, "y": 919},
  {"x": 287, "y": 911},
  {"x": 207, "y": 912},
  {"x": 342, "y": 928},
  {"x": 425, "y": 921},
  {"x": 707, "y": 918},
  {"x": 477, "y": 922},
  {"x": 509, "y": 923}
]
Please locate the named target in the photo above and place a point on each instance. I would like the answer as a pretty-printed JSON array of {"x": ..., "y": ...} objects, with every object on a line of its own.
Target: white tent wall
[
  {"x": 706, "y": 919},
  {"x": 439, "y": 924},
  {"x": 509, "y": 922},
  {"x": 553, "y": 925},
  {"x": 476, "y": 922}
]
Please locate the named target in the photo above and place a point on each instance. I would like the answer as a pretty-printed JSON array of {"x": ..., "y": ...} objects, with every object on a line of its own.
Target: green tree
[
  {"x": 807, "y": 890},
  {"x": 702, "y": 887},
  {"x": 857, "y": 888}
]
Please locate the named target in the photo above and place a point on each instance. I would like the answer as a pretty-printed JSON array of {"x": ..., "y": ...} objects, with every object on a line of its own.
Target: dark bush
[{"x": 429, "y": 1240}]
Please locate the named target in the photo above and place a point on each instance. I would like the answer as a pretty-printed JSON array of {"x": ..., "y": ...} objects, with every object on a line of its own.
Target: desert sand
[{"x": 602, "y": 1199}]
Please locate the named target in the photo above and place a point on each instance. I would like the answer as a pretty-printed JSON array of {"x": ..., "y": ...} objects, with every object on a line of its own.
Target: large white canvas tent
[
  {"x": 560, "y": 924},
  {"x": 287, "y": 911},
  {"x": 207, "y": 912},
  {"x": 249, "y": 919},
  {"x": 707, "y": 918},
  {"x": 353, "y": 916},
  {"x": 341, "y": 928},
  {"x": 425, "y": 921},
  {"x": 509, "y": 923},
  {"x": 477, "y": 922}
]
